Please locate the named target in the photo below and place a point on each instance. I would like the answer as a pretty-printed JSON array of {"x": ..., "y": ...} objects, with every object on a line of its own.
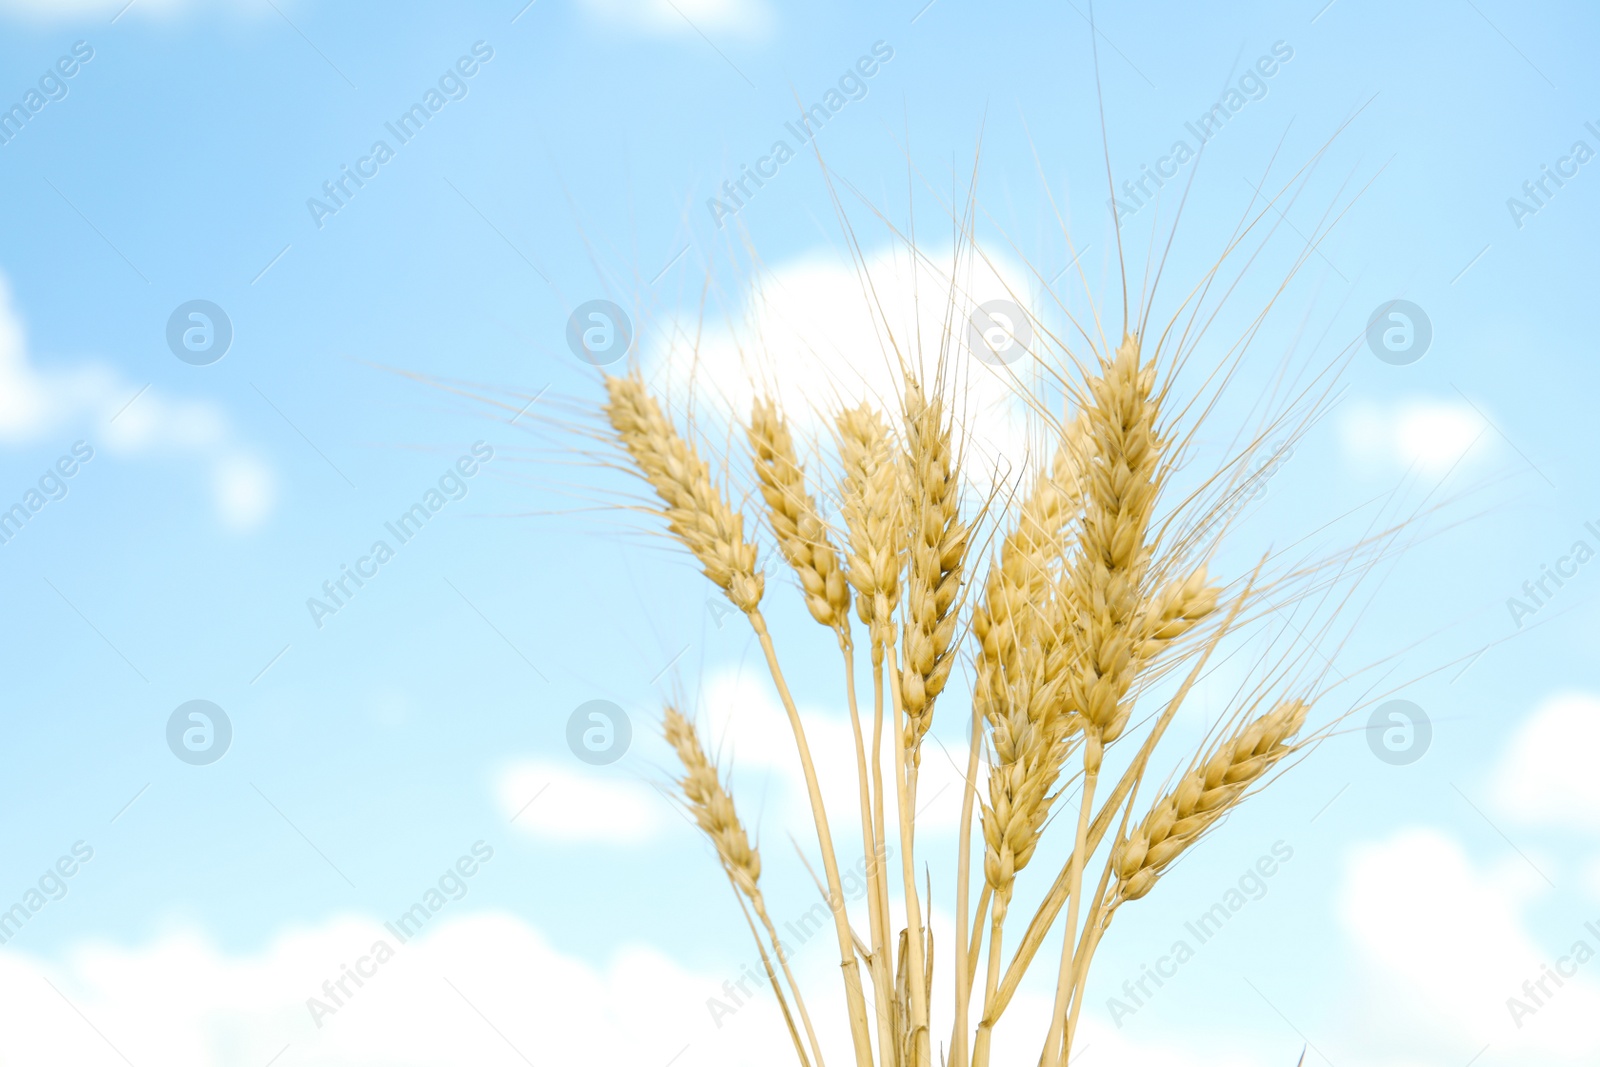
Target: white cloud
[
  {"x": 745, "y": 18},
  {"x": 1427, "y": 435},
  {"x": 1112, "y": 1047},
  {"x": 1591, "y": 877},
  {"x": 595, "y": 806},
  {"x": 481, "y": 988},
  {"x": 246, "y": 490},
  {"x": 152, "y": 422},
  {"x": 1548, "y": 775},
  {"x": 1450, "y": 941},
  {"x": 813, "y": 338},
  {"x": 79, "y": 10},
  {"x": 94, "y": 398},
  {"x": 1455, "y": 935}
]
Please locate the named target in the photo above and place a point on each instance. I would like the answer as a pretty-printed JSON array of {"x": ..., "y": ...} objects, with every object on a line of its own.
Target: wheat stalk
[
  {"x": 874, "y": 504},
  {"x": 1103, "y": 594}
]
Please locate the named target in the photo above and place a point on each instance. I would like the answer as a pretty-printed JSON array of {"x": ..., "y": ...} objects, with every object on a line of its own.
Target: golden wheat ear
[
  {"x": 796, "y": 523},
  {"x": 696, "y": 510},
  {"x": 873, "y": 506},
  {"x": 1211, "y": 789},
  {"x": 709, "y": 801},
  {"x": 1104, "y": 583},
  {"x": 1019, "y": 669},
  {"x": 935, "y": 561}
]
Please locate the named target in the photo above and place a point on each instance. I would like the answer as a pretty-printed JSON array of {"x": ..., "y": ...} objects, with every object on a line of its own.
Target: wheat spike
[
  {"x": 796, "y": 523},
  {"x": 1202, "y": 797},
  {"x": 712, "y": 806},
  {"x": 938, "y": 546},
  {"x": 1018, "y": 673},
  {"x": 1103, "y": 588},
  {"x": 872, "y": 503},
  {"x": 697, "y": 512},
  {"x": 1175, "y": 611}
]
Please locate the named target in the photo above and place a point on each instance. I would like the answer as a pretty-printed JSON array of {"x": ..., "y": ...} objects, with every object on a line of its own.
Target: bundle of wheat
[{"x": 1098, "y": 587}]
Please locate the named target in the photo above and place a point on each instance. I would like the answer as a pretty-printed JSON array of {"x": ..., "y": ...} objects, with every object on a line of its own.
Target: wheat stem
[
  {"x": 783, "y": 961},
  {"x": 777, "y": 989},
  {"x": 915, "y": 963},
  {"x": 878, "y": 829},
  {"x": 873, "y": 852},
  {"x": 1052, "y": 1039},
  {"x": 991, "y": 1006},
  {"x": 1080, "y": 974},
  {"x": 979, "y": 925},
  {"x": 963, "y": 993},
  {"x": 854, "y": 997}
]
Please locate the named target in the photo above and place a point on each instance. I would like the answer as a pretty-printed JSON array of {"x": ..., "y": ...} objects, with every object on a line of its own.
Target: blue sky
[{"x": 575, "y": 162}]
